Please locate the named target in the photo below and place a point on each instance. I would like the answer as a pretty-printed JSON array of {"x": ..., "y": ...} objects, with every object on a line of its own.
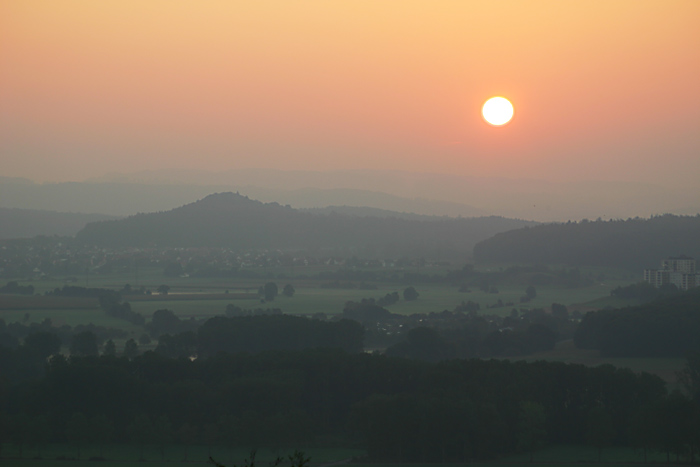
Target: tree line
[
  {"x": 400, "y": 410},
  {"x": 665, "y": 327},
  {"x": 632, "y": 243}
]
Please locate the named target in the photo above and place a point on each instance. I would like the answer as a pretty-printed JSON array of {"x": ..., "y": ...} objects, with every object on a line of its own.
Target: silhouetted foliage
[
  {"x": 13, "y": 287},
  {"x": 667, "y": 327},
  {"x": 410, "y": 294},
  {"x": 632, "y": 243}
]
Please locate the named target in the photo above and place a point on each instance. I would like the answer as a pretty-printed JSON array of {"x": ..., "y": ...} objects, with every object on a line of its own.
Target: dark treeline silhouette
[
  {"x": 234, "y": 221},
  {"x": 667, "y": 327},
  {"x": 13, "y": 287},
  {"x": 632, "y": 243},
  {"x": 462, "y": 332},
  {"x": 272, "y": 332},
  {"x": 400, "y": 410},
  {"x": 644, "y": 291}
]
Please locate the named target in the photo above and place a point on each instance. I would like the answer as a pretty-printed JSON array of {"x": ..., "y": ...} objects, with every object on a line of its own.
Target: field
[
  {"x": 119, "y": 455},
  {"x": 206, "y": 297},
  {"x": 203, "y": 298},
  {"x": 124, "y": 455}
]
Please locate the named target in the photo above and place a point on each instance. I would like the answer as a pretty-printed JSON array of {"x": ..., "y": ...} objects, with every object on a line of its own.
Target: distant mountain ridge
[
  {"x": 540, "y": 200},
  {"x": 235, "y": 221},
  {"x": 632, "y": 243},
  {"x": 358, "y": 211},
  {"x": 124, "y": 198},
  {"x": 28, "y": 223}
]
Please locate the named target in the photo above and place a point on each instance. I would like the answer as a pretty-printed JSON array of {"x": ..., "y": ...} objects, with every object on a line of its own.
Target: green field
[
  {"x": 118, "y": 455},
  {"x": 310, "y": 297},
  {"x": 125, "y": 455},
  {"x": 203, "y": 298}
]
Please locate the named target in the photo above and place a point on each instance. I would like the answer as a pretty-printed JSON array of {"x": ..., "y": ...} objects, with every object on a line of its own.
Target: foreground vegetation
[{"x": 398, "y": 410}]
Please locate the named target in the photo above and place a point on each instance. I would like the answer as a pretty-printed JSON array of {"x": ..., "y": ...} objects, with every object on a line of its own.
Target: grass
[
  {"x": 118, "y": 455},
  {"x": 553, "y": 455},
  {"x": 206, "y": 297}
]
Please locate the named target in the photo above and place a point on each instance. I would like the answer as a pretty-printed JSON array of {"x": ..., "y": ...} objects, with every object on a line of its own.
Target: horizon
[{"x": 601, "y": 91}]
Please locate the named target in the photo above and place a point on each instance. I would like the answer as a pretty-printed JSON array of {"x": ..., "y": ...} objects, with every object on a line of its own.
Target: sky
[{"x": 602, "y": 90}]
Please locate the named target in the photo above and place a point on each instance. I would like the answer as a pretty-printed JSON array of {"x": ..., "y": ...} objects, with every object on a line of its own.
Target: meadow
[
  {"x": 206, "y": 297},
  {"x": 118, "y": 455},
  {"x": 55, "y": 455},
  {"x": 202, "y": 298}
]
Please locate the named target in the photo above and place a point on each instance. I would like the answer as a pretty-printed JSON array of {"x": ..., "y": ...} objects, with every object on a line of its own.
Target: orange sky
[{"x": 602, "y": 90}]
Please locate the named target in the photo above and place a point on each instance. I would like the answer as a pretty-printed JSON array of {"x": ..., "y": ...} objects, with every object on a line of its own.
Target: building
[{"x": 680, "y": 271}]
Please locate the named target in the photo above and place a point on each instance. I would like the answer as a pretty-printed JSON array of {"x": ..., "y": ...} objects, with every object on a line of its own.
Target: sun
[{"x": 497, "y": 111}]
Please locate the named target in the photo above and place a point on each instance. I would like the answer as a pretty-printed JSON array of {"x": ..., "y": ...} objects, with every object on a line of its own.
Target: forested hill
[
  {"x": 633, "y": 243},
  {"x": 235, "y": 221}
]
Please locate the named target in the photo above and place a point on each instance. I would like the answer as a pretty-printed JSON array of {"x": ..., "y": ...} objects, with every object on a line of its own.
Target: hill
[
  {"x": 28, "y": 223},
  {"x": 356, "y": 211},
  {"x": 632, "y": 243},
  {"x": 235, "y": 221},
  {"x": 124, "y": 198}
]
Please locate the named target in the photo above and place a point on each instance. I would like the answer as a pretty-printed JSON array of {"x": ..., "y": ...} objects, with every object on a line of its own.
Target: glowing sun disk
[{"x": 497, "y": 111}]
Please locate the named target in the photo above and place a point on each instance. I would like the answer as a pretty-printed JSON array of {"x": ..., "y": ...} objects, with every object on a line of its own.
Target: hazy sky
[{"x": 602, "y": 89}]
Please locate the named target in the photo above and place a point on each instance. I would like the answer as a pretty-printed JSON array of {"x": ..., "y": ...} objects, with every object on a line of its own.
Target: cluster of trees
[
  {"x": 250, "y": 332},
  {"x": 644, "y": 291},
  {"x": 113, "y": 306},
  {"x": 110, "y": 300},
  {"x": 632, "y": 243},
  {"x": 13, "y": 287},
  {"x": 461, "y": 333},
  {"x": 667, "y": 327},
  {"x": 400, "y": 410}
]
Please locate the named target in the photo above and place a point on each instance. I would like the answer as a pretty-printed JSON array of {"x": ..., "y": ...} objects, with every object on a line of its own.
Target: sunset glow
[{"x": 609, "y": 88}]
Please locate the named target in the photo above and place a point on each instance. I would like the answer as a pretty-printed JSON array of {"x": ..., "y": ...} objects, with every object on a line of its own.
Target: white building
[{"x": 680, "y": 271}]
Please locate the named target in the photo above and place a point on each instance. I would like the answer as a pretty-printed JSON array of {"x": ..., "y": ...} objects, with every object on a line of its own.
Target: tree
[
  {"x": 42, "y": 344},
  {"x": 298, "y": 459},
  {"x": 101, "y": 431},
  {"x": 164, "y": 321},
  {"x": 270, "y": 291},
  {"x": 141, "y": 432},
  {"x": 183, "y": 345},
  {"x": 20, "y": 431},
  {"x": 288, "y": 290},
  {"x": 410, "y": 294},
  {"x": 599, "y": 429},
  {"x": 186, "y": 436},
  {"x": 110, "y": 349},
  {"x": 531, "y": 292},
  {"x": 163, "y": 289},
  {"x": 78, "y": 430},
  {"x": 39, "y": 433},
  {"x": 689, "y": 376},
  {"x": 84, "y": 344},
  {"x": 131, "y": 349},
  {"x": 162, "y": 434},
  {"x": 560, "y": 312},
  {"x": 531, "y": 426}
]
